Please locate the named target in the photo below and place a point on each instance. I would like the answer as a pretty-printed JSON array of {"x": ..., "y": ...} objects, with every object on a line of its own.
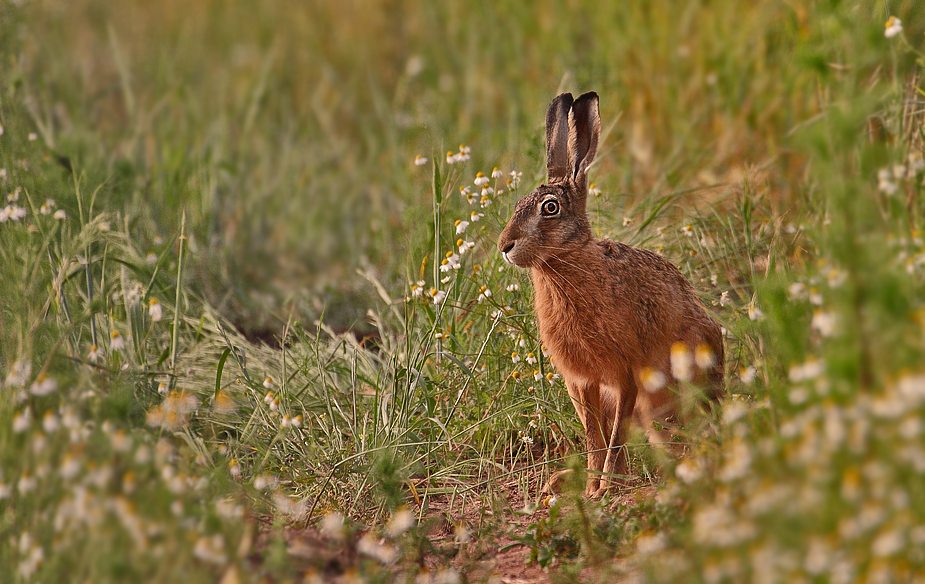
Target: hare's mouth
[{"x": 507, "y": 258}]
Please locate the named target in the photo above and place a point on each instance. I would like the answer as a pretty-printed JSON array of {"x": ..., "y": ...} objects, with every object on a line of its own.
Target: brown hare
[{"x": 615, "y": 319}]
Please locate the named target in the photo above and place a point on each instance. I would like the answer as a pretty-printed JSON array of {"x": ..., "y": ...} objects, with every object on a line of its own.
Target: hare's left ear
[
  {"x": 584, "y": 130},
  {"x": 557, "y": 138}
]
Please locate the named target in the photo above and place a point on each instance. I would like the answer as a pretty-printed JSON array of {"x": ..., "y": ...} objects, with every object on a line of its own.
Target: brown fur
[{"x": 607, "y": 312}]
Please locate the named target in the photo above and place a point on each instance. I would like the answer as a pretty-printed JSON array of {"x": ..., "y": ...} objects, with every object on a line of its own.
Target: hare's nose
[{"x": 508, "y": 248}]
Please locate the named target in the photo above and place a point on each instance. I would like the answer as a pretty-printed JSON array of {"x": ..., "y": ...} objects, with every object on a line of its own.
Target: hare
[{"x": 614, "y": 318}]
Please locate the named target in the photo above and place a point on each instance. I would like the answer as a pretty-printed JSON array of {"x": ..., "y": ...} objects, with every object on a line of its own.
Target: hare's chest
[{"x": 576, "y": 334}]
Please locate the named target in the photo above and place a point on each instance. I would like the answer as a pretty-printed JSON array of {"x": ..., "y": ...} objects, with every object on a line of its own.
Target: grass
[{"x": 303, "y": 392}]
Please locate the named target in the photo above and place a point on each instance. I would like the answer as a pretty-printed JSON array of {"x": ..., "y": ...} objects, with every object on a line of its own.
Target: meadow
[{"x": 254, "y": 327}]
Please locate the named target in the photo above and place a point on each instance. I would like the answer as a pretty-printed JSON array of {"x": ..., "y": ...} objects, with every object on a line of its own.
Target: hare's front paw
[{"x": 556, "y": 482}]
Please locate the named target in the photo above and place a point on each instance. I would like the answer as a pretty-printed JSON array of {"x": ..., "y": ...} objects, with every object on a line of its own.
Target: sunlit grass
[{"x": 173, "y": 170}]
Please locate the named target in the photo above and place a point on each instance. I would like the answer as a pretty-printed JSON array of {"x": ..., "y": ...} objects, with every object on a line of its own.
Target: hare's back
[{"x": 642, "y": 271}]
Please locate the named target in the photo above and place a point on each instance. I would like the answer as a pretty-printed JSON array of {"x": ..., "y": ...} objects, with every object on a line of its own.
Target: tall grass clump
[
  {"x": 818, "y": 474},
  {"x": 253, "y": 325}
]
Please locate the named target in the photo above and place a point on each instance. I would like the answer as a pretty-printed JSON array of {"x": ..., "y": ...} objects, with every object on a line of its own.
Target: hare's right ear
[
  {"x": 584, "y": 123},
  {"x": 557, "y": 137}
]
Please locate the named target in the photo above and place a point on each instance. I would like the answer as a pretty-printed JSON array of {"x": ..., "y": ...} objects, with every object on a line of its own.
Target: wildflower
[
  {"x": 461, "y": 225},
  {"x": 33, "y": 136},
  {"x": 461, "y": 533},
  {"x": 893, "y": 27},
  {"x": 754, "y": 313},
  {"x": 688, "y": 230},
  {"x": 593, "y": 190},
  {"x": 417, "y": 289},
  {"x": 21, "y": 421},
  {"x": 537, "y": 375},
  {"x": 815, "y": 298},
  {"x": 681, "y": 361},
  {"x": 738, "y": 461},
  {"x": 296, "y": 421},
  {"x": 748, "y": 374},
  {"x": 824, "y": 323},
  {"x": 70, "y": 466},
  {"x": 154, "y": 310},
  {"x": 475, "y": 216},
  {"x": 450, "y": 157},
  {"x": 265, "y": 481},
  {"x": 274, "y": 405},
  {"x": 484, "y": 293},
  {"x": 885, "y": 183},
  {"x": 811, "y": 369},
  {"x": 50, "y": 422},
  {"x": 648, "y": 544},
  {"x": 269, "y": 384},
  {"x": 174, "y": 411},
  {"x": 515, "y": 179},
  {"x": 733, "y": 410},
  {"x": 401, "y": 521},
  {"x": 515, "y": 358},
  {"x": 31, "y": 557},
  {"x": 463, "y": 153},
  {"x": 223, "y": 403},
  {"x": 47, "y": 206},
  {"x": 480, "y": 180},
  {"x": 378, "y": 550},
  {"x": 516, "y": 375},
  {"x": 714, "y": 280},
  {"x": 552, "y": 376},
  {"x": 496, "y": 172},
  {"x": 513, "y": 288},
  {"x": 117, "y": 343},
  {"x": 95, "y": 354},
  {"x": 531, "y": 358},
  {"x": 797, "y": 291},
  {"x": 234, "y": 468},
  {"x": 43, "y": 385},
  {"x": 211, "y": 550},
  {"x": 332, "y": 525},
  {"x": 688, "y": 470},
  {"x": 163, "y": 388},
  {"x": 12, "y": 213},
  {"x": 26, "y": 483},
  {"x": 837, "y": 278},
  {"x": 19, "y": 373},
  {"x": 627, "y": 221},
  {"x": 652, "y": 379},
  {"x": 438, "y": 295},
  {"x": 916, "y": 164},
  {"x": 419, "y": 160},
  {"x": 485, "y": 201}
]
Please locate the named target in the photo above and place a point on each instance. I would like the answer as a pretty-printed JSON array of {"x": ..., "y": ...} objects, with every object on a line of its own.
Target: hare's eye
[{"x": 550, "y": 207}]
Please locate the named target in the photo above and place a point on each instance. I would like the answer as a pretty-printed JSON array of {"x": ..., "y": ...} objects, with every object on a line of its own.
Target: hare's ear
[
  {"x": 584, "y": 123},
  {"x": 557, "y": 133}
]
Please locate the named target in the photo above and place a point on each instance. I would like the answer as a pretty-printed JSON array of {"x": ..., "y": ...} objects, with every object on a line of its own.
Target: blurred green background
[
  {"x": 286, "y": 130},
  {"x": 772, "y": 149}
]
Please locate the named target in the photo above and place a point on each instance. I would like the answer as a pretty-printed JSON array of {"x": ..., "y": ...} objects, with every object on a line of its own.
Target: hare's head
[{"x": 551, "y": 221}]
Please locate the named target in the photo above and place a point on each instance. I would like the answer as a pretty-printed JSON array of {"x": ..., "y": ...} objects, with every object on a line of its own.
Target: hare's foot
[
  {"x": 610, "y": 486},
  {"x": 558, "y": 479},
  {"x": 554, "y": 486}
]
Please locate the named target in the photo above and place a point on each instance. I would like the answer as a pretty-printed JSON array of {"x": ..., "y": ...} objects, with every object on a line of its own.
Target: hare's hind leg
[
  {"x": 616, "y": 458},
  {"x": 586, "y": 396}
]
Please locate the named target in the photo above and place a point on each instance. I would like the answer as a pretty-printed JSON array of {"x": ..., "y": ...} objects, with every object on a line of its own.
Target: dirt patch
[{"x": 474, "y": 541}]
